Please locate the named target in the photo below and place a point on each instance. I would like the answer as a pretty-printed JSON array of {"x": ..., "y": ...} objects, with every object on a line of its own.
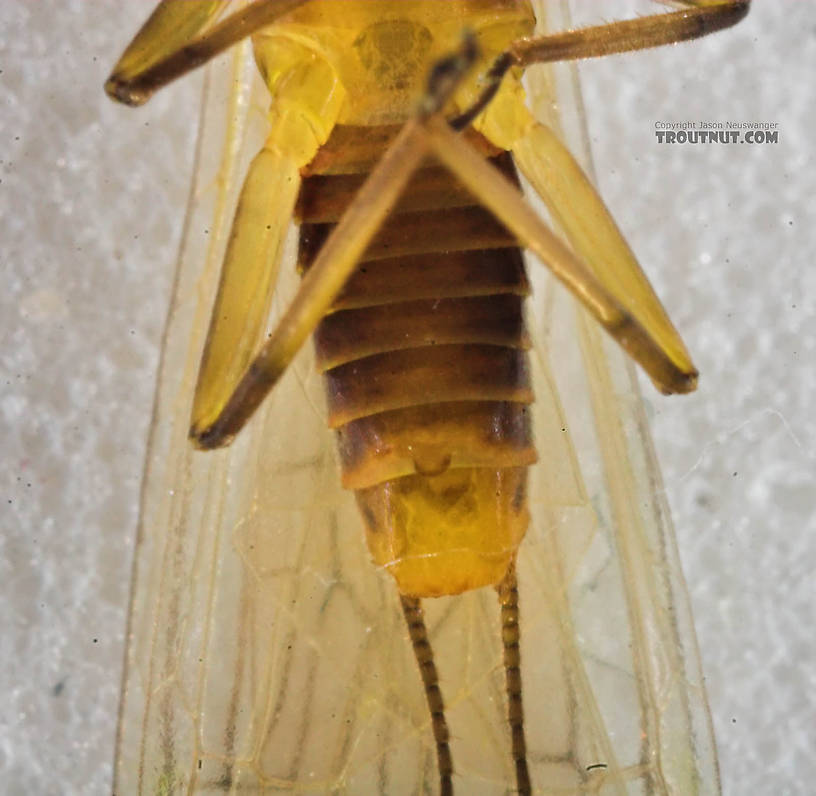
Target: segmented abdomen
[{"x": 424, "y": 357}]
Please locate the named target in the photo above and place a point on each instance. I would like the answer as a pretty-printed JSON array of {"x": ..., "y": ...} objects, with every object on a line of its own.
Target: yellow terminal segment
[{"x": 447, "y": 533}]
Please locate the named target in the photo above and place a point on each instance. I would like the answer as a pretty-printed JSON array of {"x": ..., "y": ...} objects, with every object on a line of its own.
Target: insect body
[
  {"x": 429, "y": 394},
  {"x": 427, "y": 390},
  {"x": 413, "y": 284}
]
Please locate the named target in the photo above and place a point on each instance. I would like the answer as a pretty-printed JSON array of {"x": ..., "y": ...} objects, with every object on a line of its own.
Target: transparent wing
[
  {"x": 267, "y": 654},
  {"x": 265, "y": 651},
  {"x": 633, "y": 690}
]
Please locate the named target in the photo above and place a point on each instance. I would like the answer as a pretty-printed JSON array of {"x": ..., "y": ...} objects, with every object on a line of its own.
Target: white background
[{"x": 91, "y": 202}]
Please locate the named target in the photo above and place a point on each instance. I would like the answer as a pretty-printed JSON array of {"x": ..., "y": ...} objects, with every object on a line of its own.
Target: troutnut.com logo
[{"x": 717, "y": 132}]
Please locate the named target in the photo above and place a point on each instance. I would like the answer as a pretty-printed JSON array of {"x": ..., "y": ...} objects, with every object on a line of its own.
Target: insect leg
[
  {"x": 415, "y": 619},
  {"x": 174, "y": 41},
  {"x": 580, "y": 212},
  {"x": 699, "y": 18},
  {"x": 300, "y": 125},
  {"x": 321, "y": 284},
  {"x": 511, "y": 641},
  {"x": 248, "y": 278},
  {"x": 616, "y": 314}
]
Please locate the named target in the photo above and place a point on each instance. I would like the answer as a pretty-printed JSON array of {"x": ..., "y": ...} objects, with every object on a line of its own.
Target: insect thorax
[{"x": 381, "y": 50}]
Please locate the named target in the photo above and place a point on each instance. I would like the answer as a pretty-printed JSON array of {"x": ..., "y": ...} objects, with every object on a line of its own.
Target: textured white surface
[{"x": 91, "y": 203}]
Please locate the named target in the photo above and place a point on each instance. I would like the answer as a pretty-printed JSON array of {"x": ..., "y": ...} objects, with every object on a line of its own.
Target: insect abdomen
[{"x": 424, "y": 356}]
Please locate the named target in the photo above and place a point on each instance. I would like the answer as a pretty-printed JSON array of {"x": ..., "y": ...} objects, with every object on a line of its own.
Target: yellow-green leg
[{"x": 181, "y": 35}]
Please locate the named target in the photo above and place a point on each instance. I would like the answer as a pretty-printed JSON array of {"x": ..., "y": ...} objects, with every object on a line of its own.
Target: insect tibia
[
  {"x": 121, "y": 92},
  {"x": 237, "y": 410},
  {"x": 209, "y": 439}
]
